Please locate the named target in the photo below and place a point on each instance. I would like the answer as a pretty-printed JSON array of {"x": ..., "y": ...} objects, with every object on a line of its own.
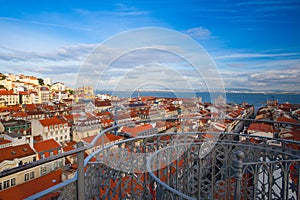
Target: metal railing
[
  {"x": 231, "y": 170},
  {"x": 186, "y": 166}
]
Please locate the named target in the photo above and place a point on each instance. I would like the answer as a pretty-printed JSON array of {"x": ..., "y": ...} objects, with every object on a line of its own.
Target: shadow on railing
[{"x": 187, "y": 166}]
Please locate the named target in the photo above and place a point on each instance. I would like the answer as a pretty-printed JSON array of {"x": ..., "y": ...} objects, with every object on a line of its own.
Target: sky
[{"x": 253, "y": 44}]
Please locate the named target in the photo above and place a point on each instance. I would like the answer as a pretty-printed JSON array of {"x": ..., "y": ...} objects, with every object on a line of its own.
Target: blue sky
[{"x": 255, "y": 44}]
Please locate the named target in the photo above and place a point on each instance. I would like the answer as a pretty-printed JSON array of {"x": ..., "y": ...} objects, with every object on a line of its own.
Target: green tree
[
  {"x": 71, "y": 92},
  {"x": 41, "y": 81},
  {"x": 2, "y": 76},
  {"x": 3, "y": 87}
]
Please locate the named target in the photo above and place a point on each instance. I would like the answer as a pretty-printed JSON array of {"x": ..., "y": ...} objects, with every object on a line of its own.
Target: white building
[
  {"x": 47, "y": 81},
  {"x": 52, "y": 128},
  {"x": 58, "y": 86},
  {"x": 18, "y": 139},
  {"x": 44, "y": 95}
]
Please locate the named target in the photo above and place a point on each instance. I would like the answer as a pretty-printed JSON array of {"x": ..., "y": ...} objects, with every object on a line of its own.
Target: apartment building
[
  {"x": 52, "y": 128},
  {"x": 9, "y": 97}
]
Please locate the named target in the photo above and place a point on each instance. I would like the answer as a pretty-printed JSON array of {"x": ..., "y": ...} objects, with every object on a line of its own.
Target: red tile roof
[
  {"x": 31, "y": 106},
  {"x": 15, "y": 108},
  {"x": 4, "y": 141},
  {"x": 108, "y": 138},
  {"x": 50, "y": 108},
  {"x": 20, "y": 114},
  {"x": 286, "y": 119},
  {"x": 52, "y": 121},
  {"x": 134, "y": 131},
  {"x": 68, "y": 117},
  {"x": 37, "y": 138},
  {"x": 46, "y": 145},
  {"x": 68, "y": 148},
  {"x": 104, "y": 103},
  {"x": 10, "y": 153},
  {"x": 32, "y": 187},
  {"x": 160, "y": 124},
  {"x": 295, "y": 134},
  {"x": 263, "y": 127},
  {"x": 7, "y": 92},
  {"x": 24, "y": 93}
]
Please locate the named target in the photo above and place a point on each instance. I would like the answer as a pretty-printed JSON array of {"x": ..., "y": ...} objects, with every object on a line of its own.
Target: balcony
[{"x": 186, "y": 166}]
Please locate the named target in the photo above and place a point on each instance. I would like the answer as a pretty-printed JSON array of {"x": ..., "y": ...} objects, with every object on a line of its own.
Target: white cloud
[
  {"x": 66, "y": 53},
  {"x": 254, "y": 55},
  {"x": 200, "y": 33}
]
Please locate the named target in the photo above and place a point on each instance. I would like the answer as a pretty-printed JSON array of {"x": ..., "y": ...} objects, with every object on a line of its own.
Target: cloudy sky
[{"x": 254, "y": 44}]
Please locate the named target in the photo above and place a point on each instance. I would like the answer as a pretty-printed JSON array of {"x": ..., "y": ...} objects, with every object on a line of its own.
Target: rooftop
[
  {"x": 14, "y": 135},
  {"x": 52, "y": 121},
  {"x": 263, "y": 127},
  {"x": 29, "y": 188},
  {"x": 13, "y": 152},
  {"x": 134, "y": 131},
  {"x": 286, "y": 119},
  {"x": 4, "y": 141},
  {"x": 7, "y": 92},
  {"x": 46, "y": 145},
  {"x": 107, "y": 138}
]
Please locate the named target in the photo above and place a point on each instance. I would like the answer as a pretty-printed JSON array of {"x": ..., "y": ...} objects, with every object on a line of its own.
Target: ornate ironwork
[{"x": 186, "y": 166}]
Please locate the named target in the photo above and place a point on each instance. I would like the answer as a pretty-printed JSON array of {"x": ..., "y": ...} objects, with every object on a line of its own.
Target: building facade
[{"x": 52, "y": 128}]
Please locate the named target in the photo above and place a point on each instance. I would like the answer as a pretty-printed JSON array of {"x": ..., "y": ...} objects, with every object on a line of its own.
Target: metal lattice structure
[{"x": 187, "y": 166}]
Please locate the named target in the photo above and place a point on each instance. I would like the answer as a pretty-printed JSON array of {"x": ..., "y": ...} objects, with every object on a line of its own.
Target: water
[{"x": 256, "y": 99}]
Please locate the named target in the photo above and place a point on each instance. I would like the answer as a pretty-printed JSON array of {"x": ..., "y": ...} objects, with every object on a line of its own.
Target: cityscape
[
  {"x": 41, "y": 119},
  {"x": 159, "y": 100}
]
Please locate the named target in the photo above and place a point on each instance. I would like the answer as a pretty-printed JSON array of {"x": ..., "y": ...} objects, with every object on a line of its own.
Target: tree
[
  {"x": 41, "y": 81},
  {"x": 2, "y": 76},
  {"x": 71, "y": 92},
  {"x": 3, "y": 87}
]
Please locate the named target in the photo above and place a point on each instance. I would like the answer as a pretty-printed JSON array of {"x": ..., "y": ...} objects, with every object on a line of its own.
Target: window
[
  {"x": 0, "y": 186},
  {"x": 60, "y": 126},
  {"x": 42, "y": 155},
  {"x": 43, "y": 170},
  {"x": 13, "y": 181},
  {"x": 66, "y": 136},
  {"x": 51, "y": 153},
  {"x": 6, "y": 184},
  {"x": 61, "y": 137},
  {"x": 56, "y": 126},
  {"x": 31, "y": 175},
  {"x": 51, "y": 128},
  {"x": 26, "y": 177}
]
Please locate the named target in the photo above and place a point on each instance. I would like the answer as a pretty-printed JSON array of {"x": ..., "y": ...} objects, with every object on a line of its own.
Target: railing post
[
  {"x": 238, "y": 173},
  {"x": 80, "y": 173},
  {"x": 298, "y": 184}
]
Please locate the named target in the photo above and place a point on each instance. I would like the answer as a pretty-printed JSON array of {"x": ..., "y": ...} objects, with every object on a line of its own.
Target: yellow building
[
  {"x": 9, "y": 97},
  {"x": 85, "y": 90}
]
